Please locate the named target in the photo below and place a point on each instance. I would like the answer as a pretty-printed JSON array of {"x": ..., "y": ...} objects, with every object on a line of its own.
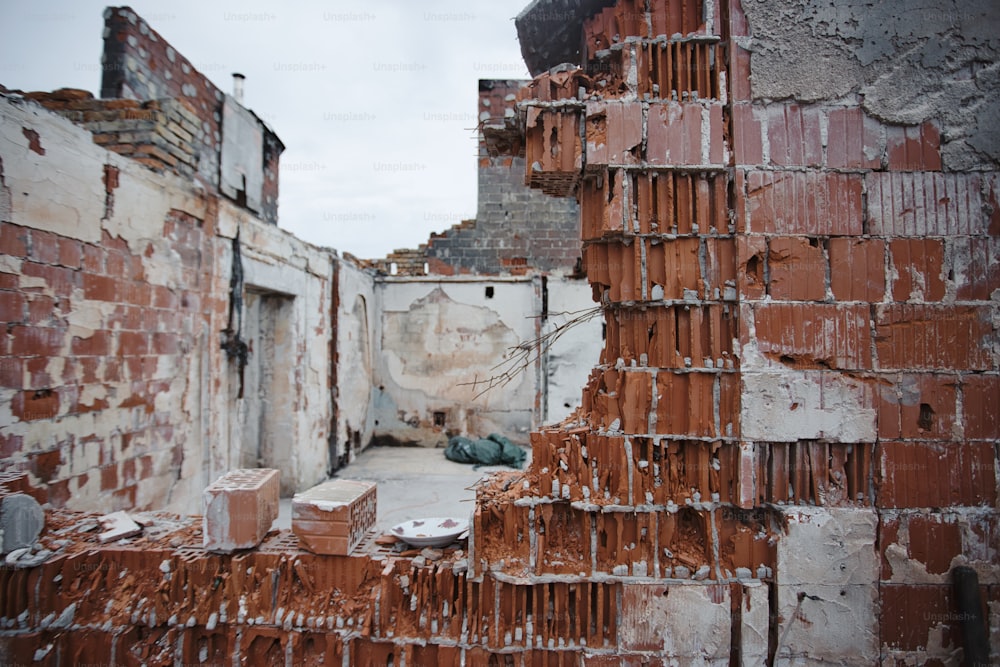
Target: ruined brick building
[
  {"x": 161, "y": 233},
  {"x": 789, "y": 443}
]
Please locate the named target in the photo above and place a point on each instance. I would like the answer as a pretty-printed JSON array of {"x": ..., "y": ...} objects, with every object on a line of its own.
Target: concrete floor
[{"x": 413, "y": 483}]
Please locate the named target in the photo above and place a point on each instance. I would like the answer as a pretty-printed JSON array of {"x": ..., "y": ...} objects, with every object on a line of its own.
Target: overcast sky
[{"x": 375, "y": 101}]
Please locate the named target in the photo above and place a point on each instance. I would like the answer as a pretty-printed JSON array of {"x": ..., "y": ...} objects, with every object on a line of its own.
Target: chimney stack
[{"x": 238, "y": 80}]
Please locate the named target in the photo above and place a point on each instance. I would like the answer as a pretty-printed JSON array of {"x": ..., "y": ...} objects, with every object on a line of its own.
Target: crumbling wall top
[{"x": 906, "y": 61}]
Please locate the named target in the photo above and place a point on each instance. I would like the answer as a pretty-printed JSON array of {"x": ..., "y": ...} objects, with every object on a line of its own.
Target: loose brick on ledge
[
  {"x": 334, "y": 517},
  {"x": 240, "y": 507}
]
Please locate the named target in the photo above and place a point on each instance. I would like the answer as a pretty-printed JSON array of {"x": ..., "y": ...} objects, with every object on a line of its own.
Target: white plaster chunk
[
  {"x": 833, "y": 546},
  {"x": 86, "y": 317},
  {"x": 789, "y": 405},
  {"x": 118, "y": 525},
  {"x": 754, "y": 624},
  {"x": 681, "y": 621},
  {"x": 827, "y": 624},
  {"x": 73, "y": 205},
  {"x": 11, "y": 264}
]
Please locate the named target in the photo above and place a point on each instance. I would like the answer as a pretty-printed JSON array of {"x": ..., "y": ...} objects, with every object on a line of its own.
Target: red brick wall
[
  {"x": 135, "y": 66},
  {"x": 873, "y": 262},
  {"x": 104, "y": 380},
  {"x": 140, "y": 64}
]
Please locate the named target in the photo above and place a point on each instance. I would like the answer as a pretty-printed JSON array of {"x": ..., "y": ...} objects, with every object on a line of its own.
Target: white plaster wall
[
  {"x": 275, "y": 261},
  {"x": 356, "y": 348},
  {"x": 577, "y": 349},
  {"x": 436, "y": 337},
  {"x": 62, "y": 192},
  {"x": 827, "y": 575}
]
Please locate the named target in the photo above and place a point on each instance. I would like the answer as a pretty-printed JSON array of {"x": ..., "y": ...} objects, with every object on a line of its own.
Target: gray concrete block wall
[{"x": 516, "y": 228}]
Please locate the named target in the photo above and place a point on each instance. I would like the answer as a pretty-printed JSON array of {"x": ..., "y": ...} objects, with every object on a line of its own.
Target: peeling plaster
[{"x": 907, "y": 61}]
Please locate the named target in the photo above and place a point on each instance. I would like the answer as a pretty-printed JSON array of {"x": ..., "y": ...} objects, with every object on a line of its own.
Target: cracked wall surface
[
  {"x": 788, "y": 443},
  {"x": 117, "y": 393}
]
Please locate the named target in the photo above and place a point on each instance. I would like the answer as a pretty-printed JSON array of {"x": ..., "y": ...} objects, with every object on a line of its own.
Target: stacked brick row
[
  {"x": 405, "y": 262},
  {"x": 161, "y": 595},
  {"x": 161, "y": 134},
  {"x": 630, "y": 534},
  {"x": 643, "y": 489}
]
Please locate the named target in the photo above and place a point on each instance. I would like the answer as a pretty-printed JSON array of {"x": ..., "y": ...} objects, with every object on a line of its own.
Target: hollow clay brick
[
  {"x": 333, "y": 517},
  {"x": 239, "y": 509}
]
